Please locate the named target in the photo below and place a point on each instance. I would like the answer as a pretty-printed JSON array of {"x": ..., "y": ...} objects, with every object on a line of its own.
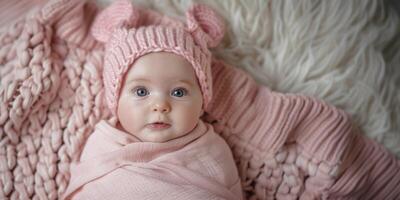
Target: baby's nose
[{"x": 162, "y": 107}]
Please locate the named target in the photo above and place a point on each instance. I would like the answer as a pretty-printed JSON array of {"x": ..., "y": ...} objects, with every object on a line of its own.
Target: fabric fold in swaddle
[{"x": 117, "y": 165}]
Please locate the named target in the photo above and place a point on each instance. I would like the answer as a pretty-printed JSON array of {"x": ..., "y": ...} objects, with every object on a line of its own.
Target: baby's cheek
[
  {"x": 189, "y": 117},
  {"x": 128, "y": 114},
  {"x": 123, "y": 110}
]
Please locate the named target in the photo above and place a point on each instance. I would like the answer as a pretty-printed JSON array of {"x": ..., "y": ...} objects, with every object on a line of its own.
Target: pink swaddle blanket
[{"x": 115, "y": 165}]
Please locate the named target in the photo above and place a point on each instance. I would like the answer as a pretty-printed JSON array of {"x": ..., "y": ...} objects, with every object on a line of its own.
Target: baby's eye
[
  {"x": 179, "y": 92},
  {"x": 140, "y": 91}
]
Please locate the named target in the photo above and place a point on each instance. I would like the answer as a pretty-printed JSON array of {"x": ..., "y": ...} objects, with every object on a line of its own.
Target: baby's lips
[{"x": 158, "y": 125}]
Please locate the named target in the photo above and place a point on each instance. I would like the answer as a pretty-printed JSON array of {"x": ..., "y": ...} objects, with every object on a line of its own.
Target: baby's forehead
[{"x": 161, "y": 66}]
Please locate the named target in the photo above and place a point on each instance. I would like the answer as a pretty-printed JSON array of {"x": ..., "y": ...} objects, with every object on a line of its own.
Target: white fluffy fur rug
[{"x": 344, "y": 52}]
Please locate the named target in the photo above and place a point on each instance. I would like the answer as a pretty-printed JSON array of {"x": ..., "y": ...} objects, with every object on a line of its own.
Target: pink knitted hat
[{"x": 129, "y": 33}]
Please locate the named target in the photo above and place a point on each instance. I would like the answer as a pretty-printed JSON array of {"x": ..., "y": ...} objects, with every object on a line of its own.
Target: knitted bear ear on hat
[
  {"x": 205, "y": 25},
  {"x": 119, "y": 14}
]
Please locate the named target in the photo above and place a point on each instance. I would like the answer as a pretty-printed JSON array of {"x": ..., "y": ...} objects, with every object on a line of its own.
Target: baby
[{"x": 157, "y": 80}]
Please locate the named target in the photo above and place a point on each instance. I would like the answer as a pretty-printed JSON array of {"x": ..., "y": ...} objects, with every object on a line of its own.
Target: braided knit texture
[{"x": 285, "y": 145}]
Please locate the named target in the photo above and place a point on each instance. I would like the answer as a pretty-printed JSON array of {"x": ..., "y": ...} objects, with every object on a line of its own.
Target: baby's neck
[{"x": 119, "y": 127}]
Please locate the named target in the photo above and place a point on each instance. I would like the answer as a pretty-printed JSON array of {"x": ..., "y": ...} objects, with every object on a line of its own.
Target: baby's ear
[
  {"x": 118, "y": 14},
  {"x": 205, "y": 25}
]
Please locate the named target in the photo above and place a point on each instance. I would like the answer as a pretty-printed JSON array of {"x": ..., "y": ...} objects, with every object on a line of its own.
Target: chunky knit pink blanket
[
  {"x": 285, "y": 146},
  {"x": 116, "y": 165}
]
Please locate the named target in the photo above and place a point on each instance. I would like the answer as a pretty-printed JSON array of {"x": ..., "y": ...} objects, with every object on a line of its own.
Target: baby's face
[{"x": 160, "y": 98}]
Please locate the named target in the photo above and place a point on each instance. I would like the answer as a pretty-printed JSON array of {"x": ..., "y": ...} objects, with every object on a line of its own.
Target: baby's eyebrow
[
  {"x": 186, "y": 82},
  {"x": 137, "y": 80}
]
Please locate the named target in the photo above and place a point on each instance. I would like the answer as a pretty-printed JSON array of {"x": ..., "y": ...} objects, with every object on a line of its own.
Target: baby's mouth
[{"x": 158, "y": 126}]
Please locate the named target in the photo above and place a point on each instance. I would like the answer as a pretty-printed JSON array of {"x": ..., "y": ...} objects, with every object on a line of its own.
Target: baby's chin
[{"x": 160, "y": 136}]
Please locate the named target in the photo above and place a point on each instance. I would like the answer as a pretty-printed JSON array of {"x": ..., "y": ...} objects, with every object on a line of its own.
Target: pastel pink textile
[
  {"x": 285, "y": 146},
  {"x": 116, "y": 165},
  {"x": 292, "y": 146}
]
